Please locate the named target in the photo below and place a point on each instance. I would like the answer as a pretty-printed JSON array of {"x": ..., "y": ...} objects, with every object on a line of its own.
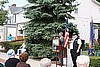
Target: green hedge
[
  {"x": 85, "y": 48},
  {"x": 11, "y": 45},
  {"x": 15, "y": 45},
  {"x": 94, "y": 61},
  {"x": 97, "y": 47},
  {"x": 5, "y": 45}
]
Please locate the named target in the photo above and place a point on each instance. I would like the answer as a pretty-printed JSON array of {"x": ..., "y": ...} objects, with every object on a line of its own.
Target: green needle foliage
[
  {"x": 3, "y": 13},
  {"x": 47, "y": 19}
]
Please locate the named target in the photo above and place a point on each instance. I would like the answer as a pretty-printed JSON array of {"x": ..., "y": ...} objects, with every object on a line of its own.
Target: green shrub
[
  {"x": 11, "y": 45},
  {"x": 86, "y": 47},
  {"x": 97, "y": 47},
  {"x": 5, "y": 45},
  {"x": 94, "y": 61},
  {"x": 15, "y": 45}
]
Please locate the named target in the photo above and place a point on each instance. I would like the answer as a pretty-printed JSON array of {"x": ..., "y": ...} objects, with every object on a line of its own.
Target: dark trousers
[
  {"x": 61, "y": 57},
  {"x": 74, "y": 55}
]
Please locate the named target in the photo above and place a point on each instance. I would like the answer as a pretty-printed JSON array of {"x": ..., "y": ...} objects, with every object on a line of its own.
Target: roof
[
  {"x": 15, "y": 10},
  {"x": 29, "y": 5}
]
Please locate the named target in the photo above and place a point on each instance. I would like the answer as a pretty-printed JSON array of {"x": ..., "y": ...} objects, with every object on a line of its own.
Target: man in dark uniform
[{"x": 75, "y": 48}]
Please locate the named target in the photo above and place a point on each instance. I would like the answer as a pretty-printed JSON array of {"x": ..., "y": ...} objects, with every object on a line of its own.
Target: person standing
[
  {"x": 61, "y": 38},
  {"x": 10, "y": 37},
  {"x": 75, "y": 47}
]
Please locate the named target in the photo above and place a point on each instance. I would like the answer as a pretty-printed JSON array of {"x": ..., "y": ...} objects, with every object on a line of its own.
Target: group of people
[
  {"x": 21, "y": 62},
  {"x": 75, "y": 50},
  {"x": 82, "y": 61},
  {"x": 14, "y": 62}
]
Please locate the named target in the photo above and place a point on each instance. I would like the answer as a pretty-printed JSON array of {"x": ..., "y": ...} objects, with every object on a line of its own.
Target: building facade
[
  {"x": 15, "y": 23},
  {"x": 87, "y": 11}
]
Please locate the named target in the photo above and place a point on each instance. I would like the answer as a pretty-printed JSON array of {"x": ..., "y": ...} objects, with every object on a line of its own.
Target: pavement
[{"x": 35, "y": 63}]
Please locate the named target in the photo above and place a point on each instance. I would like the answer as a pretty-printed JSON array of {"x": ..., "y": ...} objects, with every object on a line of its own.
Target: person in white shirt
[{"x": 75, "y": 48}]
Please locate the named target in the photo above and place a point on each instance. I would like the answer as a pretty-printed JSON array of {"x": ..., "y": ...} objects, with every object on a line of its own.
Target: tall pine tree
[
  {"x": 46, "y": 17},
  {"x": 3, "y": 13}
]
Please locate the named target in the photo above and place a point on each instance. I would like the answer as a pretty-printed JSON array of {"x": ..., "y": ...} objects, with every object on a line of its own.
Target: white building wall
[
  {"x": 19, "y": 22},
  {"x": 1, "y": 33},
  {"x": 20, "y": 18},
  {"x": 9, "y": 29},
  {"x": 86, "y": 10},
  {"x": 96, "y": 35}
]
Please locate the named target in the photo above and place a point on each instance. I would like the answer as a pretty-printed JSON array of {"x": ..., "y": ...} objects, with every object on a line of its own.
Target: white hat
[
  {"x": 45, "y": 62},
  {"x": 82, "y": 59},
  {"x": 10, "y": 52}
]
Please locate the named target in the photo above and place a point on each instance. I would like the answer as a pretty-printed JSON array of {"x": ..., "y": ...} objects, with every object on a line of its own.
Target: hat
[
  {"x": 75, "y": 34},
  {"x": 45, "y": 62},
  {"x": 82, "y": 59},
  {"x": 10, "y": 52}
]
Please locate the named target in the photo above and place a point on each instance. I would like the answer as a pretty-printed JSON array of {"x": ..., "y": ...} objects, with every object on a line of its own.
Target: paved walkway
[{"x": 32, "y": 62}]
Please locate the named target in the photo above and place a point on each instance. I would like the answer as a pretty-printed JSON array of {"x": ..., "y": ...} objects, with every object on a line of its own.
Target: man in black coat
[{"x": 75, "y": 48}]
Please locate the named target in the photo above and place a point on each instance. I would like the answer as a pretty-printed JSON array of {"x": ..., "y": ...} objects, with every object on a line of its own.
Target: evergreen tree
[
  {"x": 3, "y": 13},
  {"x": 47, "y": 19}
]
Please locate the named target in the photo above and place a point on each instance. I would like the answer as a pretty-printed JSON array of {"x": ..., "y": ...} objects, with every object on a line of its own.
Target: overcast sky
[{"x": 19, "y": 3}]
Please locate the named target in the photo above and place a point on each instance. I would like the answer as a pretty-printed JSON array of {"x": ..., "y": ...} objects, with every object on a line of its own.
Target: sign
[{"x": 55, "y": 42}]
